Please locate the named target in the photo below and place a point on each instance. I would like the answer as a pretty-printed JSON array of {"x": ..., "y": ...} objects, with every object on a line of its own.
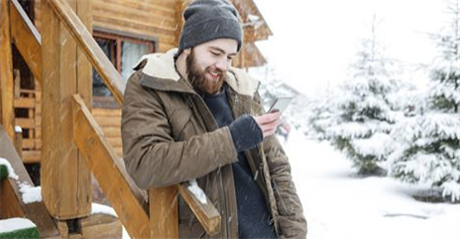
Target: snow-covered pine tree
[
  {"x": 363, "y": 117},
  {"x": 322, "y": 114},
  {"x": 430, "y": 153}
]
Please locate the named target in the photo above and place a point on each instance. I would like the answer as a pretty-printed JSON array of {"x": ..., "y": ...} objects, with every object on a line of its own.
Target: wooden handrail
[
  {"x": 206, "y": 213},
  {"x": 26, "y": 38},
  {"x": 93, "y": 52},
  {"x": 109, "y": 170},
  {"x": 164, "y": 214}
]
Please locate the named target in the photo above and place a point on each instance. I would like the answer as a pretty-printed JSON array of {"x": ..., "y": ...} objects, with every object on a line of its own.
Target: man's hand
[{"x": 269, "y": 122}]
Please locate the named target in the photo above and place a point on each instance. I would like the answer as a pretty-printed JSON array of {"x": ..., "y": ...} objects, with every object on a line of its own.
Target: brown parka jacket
[{"x": 170, "y": 136}]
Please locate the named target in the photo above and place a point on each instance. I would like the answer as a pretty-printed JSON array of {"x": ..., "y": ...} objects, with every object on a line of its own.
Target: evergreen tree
[
  {"x": 363, "y": 116},
  {"x": 430, "y": 149}
]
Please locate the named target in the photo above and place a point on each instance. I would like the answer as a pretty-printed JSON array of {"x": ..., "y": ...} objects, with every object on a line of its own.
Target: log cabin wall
[
  {"x": 153, "y": 19},
  {"x": 158, "y": 21}
]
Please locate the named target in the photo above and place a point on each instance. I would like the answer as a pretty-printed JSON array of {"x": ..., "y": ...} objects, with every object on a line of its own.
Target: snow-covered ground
[{"x": 339, "y": 205}]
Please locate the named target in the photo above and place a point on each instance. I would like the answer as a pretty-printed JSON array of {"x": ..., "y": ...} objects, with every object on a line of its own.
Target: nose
[{"x": 222, "y": 64}]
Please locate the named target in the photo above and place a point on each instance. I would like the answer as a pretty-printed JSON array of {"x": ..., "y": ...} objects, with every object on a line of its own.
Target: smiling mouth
[{"x": 214, "y": 75}]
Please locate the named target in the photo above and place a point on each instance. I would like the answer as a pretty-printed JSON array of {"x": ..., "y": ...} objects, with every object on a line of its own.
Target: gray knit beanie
[{"x": 207, "y": 20}]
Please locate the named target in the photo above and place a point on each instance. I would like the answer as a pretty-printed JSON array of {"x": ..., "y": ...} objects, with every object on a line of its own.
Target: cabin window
[{"x": 124, "y": 52}]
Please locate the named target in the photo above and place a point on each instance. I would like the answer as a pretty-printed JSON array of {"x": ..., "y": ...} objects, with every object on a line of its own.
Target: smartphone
[{"x": 280, "y": 104}]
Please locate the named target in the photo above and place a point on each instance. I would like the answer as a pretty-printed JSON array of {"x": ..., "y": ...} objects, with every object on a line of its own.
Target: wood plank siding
[
  {"x": 155, "y": 21},
  {"x": 152, "y": 19}
]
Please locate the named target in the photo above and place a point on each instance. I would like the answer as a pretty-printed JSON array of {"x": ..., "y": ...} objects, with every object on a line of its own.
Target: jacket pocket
[
  {"x": 284, "y": 207},
  {"x": 179, "y": 120}
]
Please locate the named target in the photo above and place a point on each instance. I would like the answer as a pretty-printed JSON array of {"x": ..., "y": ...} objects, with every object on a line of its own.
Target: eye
[{"x": 215, "y": 53}]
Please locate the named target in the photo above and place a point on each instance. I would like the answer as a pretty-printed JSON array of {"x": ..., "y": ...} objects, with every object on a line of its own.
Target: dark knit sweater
[{"x": 253, "y": 215}]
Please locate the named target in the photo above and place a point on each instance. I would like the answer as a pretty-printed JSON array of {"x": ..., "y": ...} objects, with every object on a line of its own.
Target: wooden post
[
  {"x": 6, "y": 71},
  {"x": 17, "y": 83},
  {"x": 65, "y": 177},
  {"x": 18, "y": 141},
  {"x": 164, "y": 220}
]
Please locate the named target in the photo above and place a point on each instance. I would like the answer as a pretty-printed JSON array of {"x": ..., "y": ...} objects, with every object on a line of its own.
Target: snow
[
  {"x": 17, "y": 129},
  {"x": 16, "y": 223},
  {"x": 339, "y": 205},
  {"x": 30, "y": 194},
  {"x": 197, "y": 191},
  {"x": 99, "y": 208},
  {"x": 11, "y": 173}
]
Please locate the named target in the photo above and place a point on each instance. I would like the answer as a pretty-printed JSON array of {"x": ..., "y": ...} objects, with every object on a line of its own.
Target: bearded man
[{"x": 188, "y": 115}]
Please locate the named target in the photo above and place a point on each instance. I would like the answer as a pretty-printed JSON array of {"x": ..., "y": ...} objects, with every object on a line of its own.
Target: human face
[{"x": 207, "y": 64}]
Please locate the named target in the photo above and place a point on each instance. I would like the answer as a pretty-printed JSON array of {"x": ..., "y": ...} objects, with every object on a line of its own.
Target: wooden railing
[{"x": 160, "y": 220}]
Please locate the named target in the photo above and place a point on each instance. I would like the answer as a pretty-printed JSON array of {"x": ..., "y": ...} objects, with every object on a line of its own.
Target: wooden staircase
[{"x": 73, "y": 144}]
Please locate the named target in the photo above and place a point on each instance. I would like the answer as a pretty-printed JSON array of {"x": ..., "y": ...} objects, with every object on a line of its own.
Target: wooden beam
[
  {"x": 164, "y": 220},
  {"x": 18, "y": 142},
  {"x": 206, "y": 213},
  {"x": 27, "y": 39},
  {"x": 96, "y": 226},
  {"x": 95, "y": 55},
  {"x": 65, "y": 178},
  {"x": 11, "y": 204},
  {"x": 6, "y": 71},
  {"x": 109, "y": 170},
  {"x": 24, "y": 103},
  {"x": 31, "y": 156},
  {"x": 85, "y": 69}
]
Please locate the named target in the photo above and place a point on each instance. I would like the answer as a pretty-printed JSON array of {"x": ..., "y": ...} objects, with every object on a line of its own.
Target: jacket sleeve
[
  {"x": 291, "y": 220},
  {"x": 152, "y": 157}
]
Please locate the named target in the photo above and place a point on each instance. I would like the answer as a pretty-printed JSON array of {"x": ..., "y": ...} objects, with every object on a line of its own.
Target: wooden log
[
  {"x": 17, "y": 85},
  {"x": 31, "y": 156},
  {"x": 25, "y": 123},
  {"x": 164, "y": 220},
  {"x": 6, "y": 72},
  {"x": 27, "y": 39},
  {"x": 85, "y": 70},
  {"x": 24, "y": 103},
  {"x": 111, "y": 132},
  {"x": 11, "y": 204},
  {"x": 125, "y": 197},
  {"x": 94, "y": 227},
  {"x": 18, "y": 142},
  {"x": 106, "y": 112},
  {"x": 96, "y": 56},
  {"x": 206, "y": 213},
  {"x": 65, "y": 179}
]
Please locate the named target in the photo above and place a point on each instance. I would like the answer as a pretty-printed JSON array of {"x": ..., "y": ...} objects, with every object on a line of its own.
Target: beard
[{"x": 197, "y": 77}]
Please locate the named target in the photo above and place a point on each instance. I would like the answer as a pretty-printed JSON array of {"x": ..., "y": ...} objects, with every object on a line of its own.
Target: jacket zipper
[{"x": 222, "y": 195}]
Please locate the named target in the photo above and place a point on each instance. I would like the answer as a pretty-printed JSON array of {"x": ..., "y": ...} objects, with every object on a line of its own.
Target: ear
[{"x": 187, "y": 51}]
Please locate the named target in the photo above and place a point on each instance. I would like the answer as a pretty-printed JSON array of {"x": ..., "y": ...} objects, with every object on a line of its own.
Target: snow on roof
[
  {"x": 11, "y": 173},
  {"x": 16, "y": 223}
]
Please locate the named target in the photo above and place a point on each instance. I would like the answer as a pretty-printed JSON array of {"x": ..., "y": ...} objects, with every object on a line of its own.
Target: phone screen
[{"x": 280, "y": 104}]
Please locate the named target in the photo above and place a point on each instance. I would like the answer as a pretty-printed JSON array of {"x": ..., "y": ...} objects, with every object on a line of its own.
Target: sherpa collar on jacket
[{"x": 159, "y": 67}]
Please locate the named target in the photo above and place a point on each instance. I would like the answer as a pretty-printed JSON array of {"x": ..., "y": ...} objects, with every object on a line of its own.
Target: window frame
[{"x": 118, "y": 37}]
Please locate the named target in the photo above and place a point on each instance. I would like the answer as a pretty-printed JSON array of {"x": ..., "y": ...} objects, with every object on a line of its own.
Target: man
[{"x": 189, "y": 115}]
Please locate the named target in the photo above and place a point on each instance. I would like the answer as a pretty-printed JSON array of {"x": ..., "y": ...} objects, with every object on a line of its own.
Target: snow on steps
[
  {"x": 18, "y": 228},
  {"x": 6, "y": 170}
]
